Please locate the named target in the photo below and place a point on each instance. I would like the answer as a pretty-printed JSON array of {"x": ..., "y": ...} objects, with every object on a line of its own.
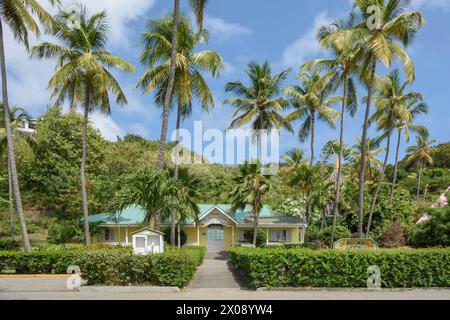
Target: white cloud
[
  {"x": 306, "y": 46},
  {"x": 222, "y": 28},
  {"x": 109, "y": 129}
]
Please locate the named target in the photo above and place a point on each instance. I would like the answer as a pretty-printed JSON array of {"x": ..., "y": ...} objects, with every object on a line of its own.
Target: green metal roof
[{"x": 135, "y": 215}]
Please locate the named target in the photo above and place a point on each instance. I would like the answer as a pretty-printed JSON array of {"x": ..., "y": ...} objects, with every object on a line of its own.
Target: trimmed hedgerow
[
  {"x": 9, "y": 245},
  {"x": 110, "y": 267},
  {"x": 400, "y": 268},
  {"x": 173, "y": 268}
]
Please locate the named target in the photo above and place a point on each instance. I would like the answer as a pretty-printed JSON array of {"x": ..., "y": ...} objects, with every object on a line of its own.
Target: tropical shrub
[
  {"x": 183, "y": 236},
  {"x": 341, "y": 233},
  {"x": 9, "y": 245},
  {"x": 173, "y": 268},
  {"x": 332, "y": 268},
  {"x": 394, "y": 236},
  {"x": 261, "y": 237},
  {"x": 434, "y": 232}
]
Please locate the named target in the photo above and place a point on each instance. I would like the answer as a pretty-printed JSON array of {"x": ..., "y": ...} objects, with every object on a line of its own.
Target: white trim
[
  {"x": 126, "y": 236},
  {"x": 223, "y": 212}
]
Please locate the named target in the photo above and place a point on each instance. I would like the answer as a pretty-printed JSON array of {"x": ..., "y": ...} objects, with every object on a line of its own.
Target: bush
[
  {"x": 173, "y": 268},
  {"x": 332, "y": 268},
  {"x": 261, "y": 237},
  {"x": 9, "y": 245},
  {"x": 341, "y": 233},
  {"x": 434, "y": 232},
  {"x": 394, "y": 236},
  {"x": 183, "y": 235}
]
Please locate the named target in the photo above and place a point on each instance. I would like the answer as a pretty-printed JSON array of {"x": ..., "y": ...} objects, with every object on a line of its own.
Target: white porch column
[
  {"x": 232, "y": 236},
  {"x": 268, "y": 236},
  {"x": 302, "y": 236},
  {"x": 198, "y": 235},
  {"x": 126, "y": 236}
]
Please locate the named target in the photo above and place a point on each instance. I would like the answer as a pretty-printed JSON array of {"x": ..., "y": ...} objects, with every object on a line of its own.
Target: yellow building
[{"x": 218, "y": 228}]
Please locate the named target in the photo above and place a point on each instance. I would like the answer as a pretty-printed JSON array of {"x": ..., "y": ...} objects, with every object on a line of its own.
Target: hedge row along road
[{"x": 400, "y": 268}]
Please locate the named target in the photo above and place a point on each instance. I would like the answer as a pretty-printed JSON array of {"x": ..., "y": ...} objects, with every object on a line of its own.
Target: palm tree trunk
[
  {"x": 362, "y": 168},
  {"x": 397, "y": 152},
  {"x": 340, "y": 157},
  {"x": 168, "y": 96},
  {"x": 11, "y": 206},
  {"x": 420, "y": 179},
  {"x": 11, "y": 155},
  {"x": 255, "y": 228},
  {"x": 179, "y": 235},
  {"x": 380, "y": 183},
  {"x": 313, "y": 133},
  {"x": 87, "y": 237},
  {"x": 176, "y": 173}
]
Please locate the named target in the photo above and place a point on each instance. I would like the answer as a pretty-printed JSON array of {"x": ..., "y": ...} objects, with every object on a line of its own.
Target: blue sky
[{"x": 281, "y": 32}]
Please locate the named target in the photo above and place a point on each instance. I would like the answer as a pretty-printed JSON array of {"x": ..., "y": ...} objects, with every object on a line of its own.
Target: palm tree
[
  {"x": 334, "y": 150},
  {"x": 251, "y": 186},
  {"x": 340, "y": 72},
  {"x": 392, "y": 107},
  {"x": 415, "y": 108},
  {"x": 18, "y": 116},
  {"x": 18, "y": 16},
  {"x": 379, "y": 43},
  {"x": 294, "y": 157},
  {"x": 83, "y": 74},
  {"x": 189, "y": 186},
  {"x": 311, "y": 102},
  {"x": 372, "y": 150},
  {"x": 198, "y": 7},
  {"x": 259, "y": 103},
  {"x": 421, "y": 154},
  {"x": 189, "y": 82}
]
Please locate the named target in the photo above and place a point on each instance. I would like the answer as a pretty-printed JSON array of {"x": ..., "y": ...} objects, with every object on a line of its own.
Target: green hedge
[
  {"x": 9, "y": 245},
  {"x": 330, "y": 268},
  {"x": 173, "y": 268},
  {"x": 110, "y": 267}
]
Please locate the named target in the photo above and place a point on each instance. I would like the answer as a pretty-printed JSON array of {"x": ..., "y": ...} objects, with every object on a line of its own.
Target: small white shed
[{"x": 148, "y": 241}]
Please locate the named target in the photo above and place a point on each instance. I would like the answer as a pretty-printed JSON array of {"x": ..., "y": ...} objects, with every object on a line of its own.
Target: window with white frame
[
  {"x": 279, "y": 236},
  {"x": 108, "y": 235}
]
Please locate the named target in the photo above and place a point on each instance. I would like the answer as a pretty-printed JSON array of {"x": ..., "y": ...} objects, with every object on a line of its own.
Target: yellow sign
[{"x": 345, "y": 244}]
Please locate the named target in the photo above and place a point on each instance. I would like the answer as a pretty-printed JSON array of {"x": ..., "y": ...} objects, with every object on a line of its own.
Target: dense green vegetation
[
  {"x": 67, "y": 170},
  {"x": 279, "y": 267}
]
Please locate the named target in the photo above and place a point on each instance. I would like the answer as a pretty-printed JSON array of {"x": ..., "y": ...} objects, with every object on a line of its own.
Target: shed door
[{"x": 216, "y": 238}]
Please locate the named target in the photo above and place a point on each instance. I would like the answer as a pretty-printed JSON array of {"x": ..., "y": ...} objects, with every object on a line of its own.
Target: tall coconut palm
[
  {"x": 404, "y": 128},
  {"x": 250, "y": 187},
  {"x": 18, "y": 116},
  {"x": 198, "y": 7},
  {"x": 260, "y": 103},
  {"x": 340, "y": 72},
  {"x": 372, "y": 162},
  {"x": 380, "y": 43},
  {"x": 421, "y": 155},
  {"x": 82, "y": 74},
  {"x": 18, "y": 16},
  {"x": 294, "y": 157},
  {"x": 312, "y": 103},
  {"x": 391, "y": 108},
  {"x": 189, "y": 82}
]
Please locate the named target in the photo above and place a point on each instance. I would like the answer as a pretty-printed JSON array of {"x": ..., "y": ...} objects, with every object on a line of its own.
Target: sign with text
[{"x": 345, "y": 244}]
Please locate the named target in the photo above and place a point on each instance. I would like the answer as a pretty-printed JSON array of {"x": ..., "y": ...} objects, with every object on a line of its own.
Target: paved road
[{"x": 216, "y": 280}]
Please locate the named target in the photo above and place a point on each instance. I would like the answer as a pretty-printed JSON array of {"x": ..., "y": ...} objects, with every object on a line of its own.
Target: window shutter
[
  {"x": 241, "y": 236},
  {"x": 273, "y": 236}
]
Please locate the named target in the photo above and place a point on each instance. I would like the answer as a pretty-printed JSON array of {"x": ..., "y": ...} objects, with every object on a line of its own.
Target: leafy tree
[
  {"x": 17, "y": 15},
  {"x": 341, "y": 232},
  {"x": 311, "y": 101},
  {"x": 380, "y": 44},
  {"x": 250, "y": 188},
  {"x": 83, "y": 76},
  {"x": 442, "y": 156},
  {"x": 189, "y": 82},
  {"x": 421, "y": 154},
  {"x": 372, "y": 146},
  {"x": 392, "y": 107},
  {"x": 260, "y": 103},
  {"x": 434, "y": 232}
]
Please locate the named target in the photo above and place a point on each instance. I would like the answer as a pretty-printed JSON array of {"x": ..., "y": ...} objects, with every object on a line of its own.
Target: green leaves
[{"x": 279, "y": 267}]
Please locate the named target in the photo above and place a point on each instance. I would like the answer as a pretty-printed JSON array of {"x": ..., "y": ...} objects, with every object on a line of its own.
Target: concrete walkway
[{"x": 217, "y": 272}]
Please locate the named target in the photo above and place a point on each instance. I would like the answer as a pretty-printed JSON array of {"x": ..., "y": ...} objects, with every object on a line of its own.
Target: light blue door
[{"x": 215, "y": 238}]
